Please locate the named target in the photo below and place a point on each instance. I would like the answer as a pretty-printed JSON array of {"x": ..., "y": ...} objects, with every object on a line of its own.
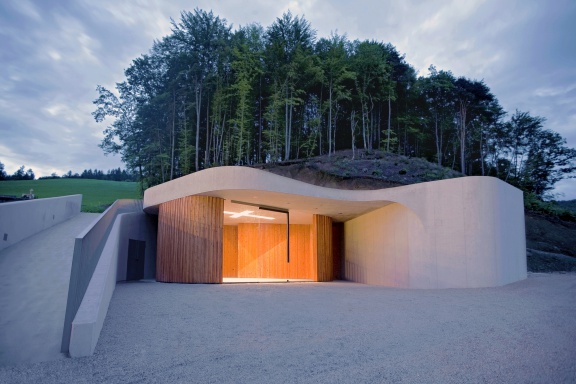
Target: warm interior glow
[{"x": 236, "y": 215}]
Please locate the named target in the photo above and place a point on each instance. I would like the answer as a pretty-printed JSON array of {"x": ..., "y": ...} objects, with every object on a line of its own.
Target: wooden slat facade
[
  {"x": 190, "y": 236},
  {"x": 195, "y": 247},
  {"x": 321, "y": 244}
]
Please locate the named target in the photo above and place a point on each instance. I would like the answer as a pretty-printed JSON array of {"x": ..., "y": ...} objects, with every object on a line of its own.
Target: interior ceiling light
[{"x": 237, "y": 215}]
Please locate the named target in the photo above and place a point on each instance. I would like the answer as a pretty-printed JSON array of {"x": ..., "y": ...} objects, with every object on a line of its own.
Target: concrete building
[{"x": 231, "y": 223}]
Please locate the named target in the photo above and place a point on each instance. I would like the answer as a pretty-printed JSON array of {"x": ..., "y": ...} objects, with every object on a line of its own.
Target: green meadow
[{"x": 97, "y": 195}]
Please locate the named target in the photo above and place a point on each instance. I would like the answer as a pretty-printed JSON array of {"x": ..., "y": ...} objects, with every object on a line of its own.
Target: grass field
[{"x": 97, "y": 195}]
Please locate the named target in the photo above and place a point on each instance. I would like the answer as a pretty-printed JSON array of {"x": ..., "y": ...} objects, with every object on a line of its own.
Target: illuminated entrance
[
  {"x": 256, "y": 243},
  {"x": 204, "y": 239}
]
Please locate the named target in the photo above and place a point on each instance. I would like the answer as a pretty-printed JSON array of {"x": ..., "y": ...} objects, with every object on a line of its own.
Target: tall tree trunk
[
  {"x": 335, "y": 126},
  {"x": 288, "y": 146},
  {"x": 481, "y": 152},
  {"x": 330, "y": 119},
  {"x": 260, "y": 122},
  {"x": 286, "y": 126},
  {"x": 389, "y": 123},
  {"x": 463, "y": 137},
  {"x": 173, "y": 134},
  {"x": 364, "y": 124},
  {"x": 352, "y": 128},
  {"x": 198, "y": 109},
  {"x": 438, "y": 153},
  {"x": 208, "y": 134}
]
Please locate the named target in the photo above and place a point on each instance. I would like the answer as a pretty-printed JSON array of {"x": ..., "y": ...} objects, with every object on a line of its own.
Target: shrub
[{"x": 534, "y": 204}]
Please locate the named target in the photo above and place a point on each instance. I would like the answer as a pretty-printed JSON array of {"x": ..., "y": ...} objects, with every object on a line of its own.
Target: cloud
[
  {"x": 554, "y": 91},
  {"x": 26, "y": 8}
]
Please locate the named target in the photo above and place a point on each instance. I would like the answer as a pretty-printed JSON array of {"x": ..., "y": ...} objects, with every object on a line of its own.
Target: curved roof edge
[{"x": 260, "y": 187}]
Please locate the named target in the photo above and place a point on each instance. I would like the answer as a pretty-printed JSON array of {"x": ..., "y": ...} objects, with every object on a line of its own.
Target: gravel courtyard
[{"x": 328, "y": 333}]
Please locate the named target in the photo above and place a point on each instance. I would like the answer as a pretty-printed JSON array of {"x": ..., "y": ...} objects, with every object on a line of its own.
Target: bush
[{"x": 534, "y": 204}]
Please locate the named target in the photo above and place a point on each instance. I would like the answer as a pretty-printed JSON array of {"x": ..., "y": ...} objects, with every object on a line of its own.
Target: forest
[{"x": 209, "y": 95}]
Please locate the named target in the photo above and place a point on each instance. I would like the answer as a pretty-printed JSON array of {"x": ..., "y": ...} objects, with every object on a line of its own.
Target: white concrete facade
[
  {"x": 464, "y": 232},
  {"x": 468, "y": 233}
]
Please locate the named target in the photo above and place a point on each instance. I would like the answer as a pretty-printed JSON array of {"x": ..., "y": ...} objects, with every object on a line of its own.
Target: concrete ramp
[{"x": 34, "y": 277}]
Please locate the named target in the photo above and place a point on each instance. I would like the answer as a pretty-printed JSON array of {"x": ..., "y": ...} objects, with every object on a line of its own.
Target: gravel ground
[{"x": 326, "y": 333}]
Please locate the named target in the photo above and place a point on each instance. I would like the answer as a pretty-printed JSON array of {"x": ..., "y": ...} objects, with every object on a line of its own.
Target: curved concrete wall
[
  {"x": 464, "y": 232},
  {"x": 471, "y": 235}
]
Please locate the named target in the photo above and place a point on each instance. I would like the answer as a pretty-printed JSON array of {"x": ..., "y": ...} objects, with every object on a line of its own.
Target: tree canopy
[{"x": 207, "y": 95}]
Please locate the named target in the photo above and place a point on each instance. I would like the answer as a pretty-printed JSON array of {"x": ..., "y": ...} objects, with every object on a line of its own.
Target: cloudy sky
[{"x": 54, "y": 53}]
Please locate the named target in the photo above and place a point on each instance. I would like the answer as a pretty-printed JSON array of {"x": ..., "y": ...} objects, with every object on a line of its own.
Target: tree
[
  {"x": 289, "y": 42},
  {"x": 20, "y": 174},
  {"x": 437, "y": 90},
  {"x": 272, "y": 94},
  {"x": 3, "y": 175},
  {"x": 472, "y": 99},
  {"x": 334, "y": 60},
  {"x": 247, "y": 67},
  {"x": 537, "y": 158},
  {"x": 400, "y": 93},
  {"x": 203, "y": 38},
  {"x": 372, "y": 83}
]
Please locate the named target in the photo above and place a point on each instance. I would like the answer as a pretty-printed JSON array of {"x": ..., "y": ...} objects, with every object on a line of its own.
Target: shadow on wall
[
  {"x": 88, "y": 247},
  {"x": 113, "y": 265},
  {"x": 385, "y": 247}
]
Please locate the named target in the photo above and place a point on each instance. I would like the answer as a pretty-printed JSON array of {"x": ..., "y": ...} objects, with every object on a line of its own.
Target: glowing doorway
[{"x": 257, "y": 245}]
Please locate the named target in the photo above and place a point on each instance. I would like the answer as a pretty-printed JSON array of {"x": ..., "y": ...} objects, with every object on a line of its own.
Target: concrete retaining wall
[
  {"x": 137, "y": 226},
  {"x": 22, "y": 219},
  {"x": 111, "y": 268},
  {"x": 87, "y": 250}
]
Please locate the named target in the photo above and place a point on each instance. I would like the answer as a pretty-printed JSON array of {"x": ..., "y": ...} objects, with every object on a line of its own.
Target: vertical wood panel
[
  {"x": 189, "y": 248},
  {"x": 321, "y": 240},
  {"x": 300, "y": 253},
  {"x": 230, "y": 251},
  {"x": 247, "y": 250},
  {"x": 272, "y": 256}
]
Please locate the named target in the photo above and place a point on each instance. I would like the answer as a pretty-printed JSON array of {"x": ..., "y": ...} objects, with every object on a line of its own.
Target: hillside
[
  {"x": 568, "y": 204},
  {"x": 551, "y": 242},
  {"x": 368, "y": 170}
]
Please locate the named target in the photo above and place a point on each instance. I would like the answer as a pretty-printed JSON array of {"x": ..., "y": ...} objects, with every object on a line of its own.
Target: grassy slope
[{"x": 97, "y": 194}]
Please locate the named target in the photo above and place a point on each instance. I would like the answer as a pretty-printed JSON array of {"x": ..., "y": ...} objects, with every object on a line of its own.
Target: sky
[{"x": 53, "y": 54}]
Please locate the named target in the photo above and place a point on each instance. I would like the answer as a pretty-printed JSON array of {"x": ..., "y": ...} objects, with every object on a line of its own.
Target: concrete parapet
[
  {"x": 87, "y": 250},
  {"x": 22, "y": 219},
  {"x": 111, "y": 267}
]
